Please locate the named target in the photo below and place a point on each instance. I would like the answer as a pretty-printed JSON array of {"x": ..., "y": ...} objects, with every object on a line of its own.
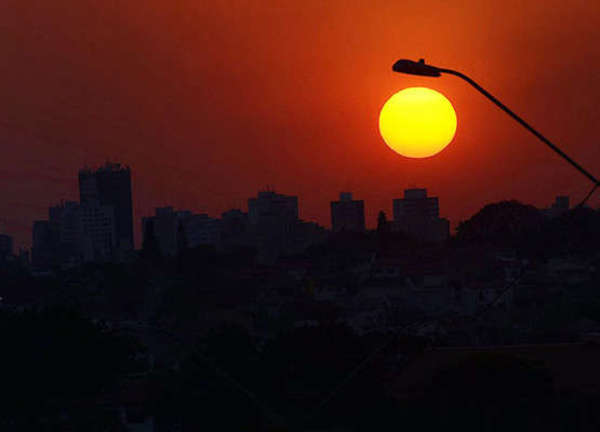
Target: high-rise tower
[{"x": 110, "y": 185}]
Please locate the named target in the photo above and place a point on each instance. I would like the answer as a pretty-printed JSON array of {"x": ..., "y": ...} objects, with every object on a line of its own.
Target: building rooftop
[
  {"x": 107, "y": 167},
  {"x": 345, "y": 196},
  {"x": 415, "y": 193}
]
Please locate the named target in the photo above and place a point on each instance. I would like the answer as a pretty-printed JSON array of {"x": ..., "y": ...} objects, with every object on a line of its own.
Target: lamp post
[{"x": 420, "y": 68}]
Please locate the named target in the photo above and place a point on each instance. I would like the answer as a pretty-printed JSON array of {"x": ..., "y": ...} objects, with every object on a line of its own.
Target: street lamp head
[{"x": 416, "y": 68}]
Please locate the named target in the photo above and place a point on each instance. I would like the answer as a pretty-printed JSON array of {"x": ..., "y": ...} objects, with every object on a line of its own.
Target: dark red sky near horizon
[{"x": 210, "y": 101}]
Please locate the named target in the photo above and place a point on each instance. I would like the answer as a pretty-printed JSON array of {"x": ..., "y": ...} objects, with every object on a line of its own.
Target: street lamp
[{"x": 420, "y": 68}]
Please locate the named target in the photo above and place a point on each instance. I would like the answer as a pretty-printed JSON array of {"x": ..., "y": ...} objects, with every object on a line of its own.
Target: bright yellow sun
[{"x": 417, "y": 122}]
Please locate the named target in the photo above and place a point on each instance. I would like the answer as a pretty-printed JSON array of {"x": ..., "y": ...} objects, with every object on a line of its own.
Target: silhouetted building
[
  {"x": 347, "y": 214},
  {"x": 558, "y": 207},
  {"x": 306, "y": 234},
  {"x": 234, "y": 230},
  {"x": 74, "y": 234},
  {"x": 65, "y": 222},
  {"x": 110, "y": 185},
  {"x": 416, "y": 204},
  {"x": 44, "y": 244},
  {"x": 164, "y": 229},
  {"x": 272, "y": 218},
  {"x": 417, "y": 215},
  {"x": 200, "y": 229},
  {"x": 234, "y": 224},
  {"x": 98, "y": 236},
  {"x": 173, "y": 228},
  {"x": 6, "y": 246},
  {"x": 83, "y": 232},
  {"x": 271, "y": 205}
]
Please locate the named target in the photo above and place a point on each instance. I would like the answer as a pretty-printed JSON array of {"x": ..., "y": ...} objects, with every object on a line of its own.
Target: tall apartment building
[
  {"x": 110, "y": 185},
  {"x": 98, "y": 228},
  {"x": 43, "y": 243},
  {"x": 98, "y": 232},
  {"x": 273, "y": 219},
  {"x": 347, "y": 214},
  {"x": 65, "y": 222},
  {"x": 78, "y": 233}
]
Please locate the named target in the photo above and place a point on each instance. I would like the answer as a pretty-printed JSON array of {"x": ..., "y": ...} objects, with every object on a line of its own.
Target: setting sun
[{"x": 417, "y": 122}]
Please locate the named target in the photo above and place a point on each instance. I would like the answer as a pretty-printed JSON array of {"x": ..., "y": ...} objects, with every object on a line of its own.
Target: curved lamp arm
[
  {"x": 522, "y": 122},
  {"x": 420, "y": 68}
]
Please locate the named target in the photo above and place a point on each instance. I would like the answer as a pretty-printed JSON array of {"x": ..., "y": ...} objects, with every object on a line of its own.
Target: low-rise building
[{"x": 175, "y": 229}]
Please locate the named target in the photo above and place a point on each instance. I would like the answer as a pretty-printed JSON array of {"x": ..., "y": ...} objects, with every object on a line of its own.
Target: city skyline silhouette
[
  {"x": 299, "y": 216},
  {"x": 207, "y": 124}
]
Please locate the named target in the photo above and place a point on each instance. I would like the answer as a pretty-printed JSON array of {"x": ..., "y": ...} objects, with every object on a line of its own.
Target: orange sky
[{"x": 210, "y": 101}]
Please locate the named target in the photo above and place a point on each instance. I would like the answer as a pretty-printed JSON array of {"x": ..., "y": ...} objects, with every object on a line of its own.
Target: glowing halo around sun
[{"x": 417, "y": 122}]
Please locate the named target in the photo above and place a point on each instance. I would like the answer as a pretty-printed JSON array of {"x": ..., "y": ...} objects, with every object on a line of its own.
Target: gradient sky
[{"x": 211, "y": 101}]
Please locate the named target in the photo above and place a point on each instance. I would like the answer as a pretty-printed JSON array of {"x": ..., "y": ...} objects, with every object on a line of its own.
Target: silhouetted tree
[
  {"x": 507, "y": 224},
  {"x": 209, "y": 389},
  {"x": 55, "y": 365},
  {"x": 310, "y": 365},
  {"x": 576, "y": 232},
  {"x": 487, "y": 392},
  {"x": 510, "y": 224},
  {"x": 382, "y": 222}
]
